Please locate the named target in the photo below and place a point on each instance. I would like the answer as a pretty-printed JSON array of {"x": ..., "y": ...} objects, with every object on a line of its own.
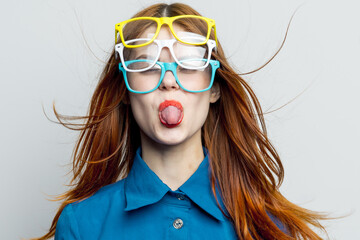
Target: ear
[{"x": 214, "y": 92}]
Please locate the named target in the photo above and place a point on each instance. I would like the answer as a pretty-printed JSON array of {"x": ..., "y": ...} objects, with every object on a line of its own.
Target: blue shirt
[{"x": 141, "y": 206}]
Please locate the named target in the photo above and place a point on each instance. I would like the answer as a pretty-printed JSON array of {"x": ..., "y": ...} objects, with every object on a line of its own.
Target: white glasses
[{"x": 185, "y": 55}]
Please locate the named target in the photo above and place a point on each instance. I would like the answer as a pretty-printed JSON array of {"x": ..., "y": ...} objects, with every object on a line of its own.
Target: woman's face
[{"x": 170, "y": 115}]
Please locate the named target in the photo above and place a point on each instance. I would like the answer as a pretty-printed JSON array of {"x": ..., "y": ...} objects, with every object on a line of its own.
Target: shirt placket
[{"x": 178, "y": 210}]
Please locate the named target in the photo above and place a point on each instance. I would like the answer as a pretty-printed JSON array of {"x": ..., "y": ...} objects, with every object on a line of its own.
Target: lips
[{"x": 170, "y": 113}]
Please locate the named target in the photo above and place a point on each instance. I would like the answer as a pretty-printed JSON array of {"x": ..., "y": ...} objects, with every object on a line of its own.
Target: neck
[{"x": 173, "y": 164}]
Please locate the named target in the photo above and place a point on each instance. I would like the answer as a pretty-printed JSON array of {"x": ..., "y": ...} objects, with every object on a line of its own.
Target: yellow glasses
[{"x": 151, "y": 26}]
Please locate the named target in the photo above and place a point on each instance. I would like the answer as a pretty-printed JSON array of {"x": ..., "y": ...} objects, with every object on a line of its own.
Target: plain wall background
[{"x": 54, "y": 50}]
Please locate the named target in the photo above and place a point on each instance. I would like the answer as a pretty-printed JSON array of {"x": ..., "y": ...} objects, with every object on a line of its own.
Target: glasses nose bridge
[
  {"x": 165, "y": 20},
  {"x": 167, "y": 43},
  {"x": 171, "y": 66}
]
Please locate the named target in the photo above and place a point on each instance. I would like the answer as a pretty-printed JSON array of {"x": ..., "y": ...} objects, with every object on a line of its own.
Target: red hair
[{"x": 244, "y": 164}]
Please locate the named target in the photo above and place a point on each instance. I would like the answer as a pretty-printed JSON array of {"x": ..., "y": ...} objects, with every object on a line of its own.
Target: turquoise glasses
[{"x": 191, "y": 80}]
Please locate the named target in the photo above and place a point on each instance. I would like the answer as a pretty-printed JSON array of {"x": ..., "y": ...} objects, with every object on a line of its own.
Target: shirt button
[
  {"x": 180, "y": 196},
  {"x": 178, "y": 223}
]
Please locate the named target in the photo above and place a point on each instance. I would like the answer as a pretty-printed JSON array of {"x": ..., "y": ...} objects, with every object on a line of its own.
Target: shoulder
[
  {"x": 97, "y": 205},
  {"x": 95, "y": 209},
  {"x": 103, "y": 197}
]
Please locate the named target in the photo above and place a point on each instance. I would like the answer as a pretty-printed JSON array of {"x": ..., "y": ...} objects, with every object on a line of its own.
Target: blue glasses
[{"x": 191, "y": 80}]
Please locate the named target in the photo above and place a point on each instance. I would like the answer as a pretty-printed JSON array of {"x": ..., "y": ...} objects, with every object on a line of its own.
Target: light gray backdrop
[{"x": 54, "y": 50}]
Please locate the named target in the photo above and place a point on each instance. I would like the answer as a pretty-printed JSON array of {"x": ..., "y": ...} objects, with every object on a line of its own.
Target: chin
[{"x": 171, "y": 139}]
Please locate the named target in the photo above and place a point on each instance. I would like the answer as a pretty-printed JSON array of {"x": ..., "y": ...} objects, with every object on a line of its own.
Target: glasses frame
[
  {"x": 160, "y": 21},
  {"x": 161, "y": 44},
  {"x": 170, "y": 66}
]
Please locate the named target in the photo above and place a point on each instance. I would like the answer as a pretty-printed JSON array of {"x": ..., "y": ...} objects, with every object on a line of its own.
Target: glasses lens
[
  {"x": 148, "y": 53},
  {"x": 135, "y": 28},
  {"x": 193, "y": 25},
  {"x": 194, "y": 80},
  {"x": 146, "y": 80},
  {"x": 191, "y": 56}
]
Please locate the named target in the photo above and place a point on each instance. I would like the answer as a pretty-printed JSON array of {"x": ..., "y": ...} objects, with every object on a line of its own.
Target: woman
[{"x": 175, "y": 145}]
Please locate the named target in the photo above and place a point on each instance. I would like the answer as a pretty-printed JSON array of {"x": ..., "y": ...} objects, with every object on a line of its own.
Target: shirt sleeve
[{"x": 67, "y": 227}]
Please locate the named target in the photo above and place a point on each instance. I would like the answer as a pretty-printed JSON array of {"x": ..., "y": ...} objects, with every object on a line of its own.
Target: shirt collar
[{"x": 144, "y": 187}]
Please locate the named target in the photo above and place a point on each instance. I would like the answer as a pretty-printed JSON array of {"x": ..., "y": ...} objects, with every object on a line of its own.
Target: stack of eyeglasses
[{"x": 140, "y": 51}]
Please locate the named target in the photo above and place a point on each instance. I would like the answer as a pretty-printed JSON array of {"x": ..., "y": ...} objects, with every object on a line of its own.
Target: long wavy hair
[{"x": 245, "y": 166}]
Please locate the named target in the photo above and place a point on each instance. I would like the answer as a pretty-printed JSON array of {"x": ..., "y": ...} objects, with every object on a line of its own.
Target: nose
[{"x": 169, "y": 82}]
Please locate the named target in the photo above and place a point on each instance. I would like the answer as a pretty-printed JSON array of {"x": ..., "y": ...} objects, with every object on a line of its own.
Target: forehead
[{"x": 164, "y": 33}]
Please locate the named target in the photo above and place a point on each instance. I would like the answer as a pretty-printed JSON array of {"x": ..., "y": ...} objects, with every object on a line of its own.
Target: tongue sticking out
[{"x": 170, "y": 113}]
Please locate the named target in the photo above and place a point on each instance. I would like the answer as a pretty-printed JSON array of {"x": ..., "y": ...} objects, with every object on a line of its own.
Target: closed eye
[
  {"x": 154, "y": 69},
  {"x": 186, "y": 70}
]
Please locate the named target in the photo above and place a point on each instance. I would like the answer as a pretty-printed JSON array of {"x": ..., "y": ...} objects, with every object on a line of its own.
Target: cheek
[
  {"x": 141, "y": 109},
  {"x": 200, "y": 108}
]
